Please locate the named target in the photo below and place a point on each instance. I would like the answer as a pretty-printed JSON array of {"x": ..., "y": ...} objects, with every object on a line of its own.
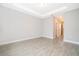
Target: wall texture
[{"x": 15, "y": 25}]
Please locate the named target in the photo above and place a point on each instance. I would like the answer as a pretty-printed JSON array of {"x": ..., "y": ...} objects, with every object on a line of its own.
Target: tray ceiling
[{"x": 42, "y": 10}]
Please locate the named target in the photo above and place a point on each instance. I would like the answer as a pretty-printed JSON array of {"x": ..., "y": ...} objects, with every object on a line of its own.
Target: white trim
[
  {"x": 48, "y": 37},
  {"x": 31, "y": 12},
  {"x": 73, "y": 42},
  {"x": 18, "y": 40},
  {"x": 21, "y": 9}
]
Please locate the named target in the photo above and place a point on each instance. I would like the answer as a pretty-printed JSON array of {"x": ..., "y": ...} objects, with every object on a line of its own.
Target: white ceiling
[{"x": 42, "y": 10}]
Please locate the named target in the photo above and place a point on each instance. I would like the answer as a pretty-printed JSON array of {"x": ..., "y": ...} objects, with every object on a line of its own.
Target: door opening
[{"x": 58, "y": 27}]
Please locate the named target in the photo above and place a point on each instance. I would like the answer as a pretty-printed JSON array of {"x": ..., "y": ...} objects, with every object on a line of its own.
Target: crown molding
[{"x": 37, "y": 14}]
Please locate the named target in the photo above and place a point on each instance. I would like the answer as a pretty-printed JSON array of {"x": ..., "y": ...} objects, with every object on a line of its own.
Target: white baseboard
[
  {"x": 48, "y": 37},
  {"x": 18, "y": 40},
  {"x": 73, "y": 42}
]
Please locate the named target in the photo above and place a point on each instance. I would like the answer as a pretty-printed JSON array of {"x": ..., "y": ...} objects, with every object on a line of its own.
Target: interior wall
[
  {"x": 48, "y": 28},
  {"x": 15, "y": 25},
  {"x": 71, "y": 25}
]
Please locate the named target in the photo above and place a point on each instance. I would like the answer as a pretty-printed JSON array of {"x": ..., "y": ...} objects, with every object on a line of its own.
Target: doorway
[{"x": 58, "y": 28}]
